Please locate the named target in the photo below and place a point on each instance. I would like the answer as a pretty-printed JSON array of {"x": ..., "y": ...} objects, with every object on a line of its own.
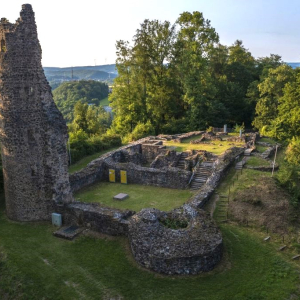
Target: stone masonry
[{"x": 33, "y": 133}]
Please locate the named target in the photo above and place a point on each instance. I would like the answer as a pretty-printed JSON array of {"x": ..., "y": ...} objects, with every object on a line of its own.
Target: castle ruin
[{"x": 33, "y": 133}]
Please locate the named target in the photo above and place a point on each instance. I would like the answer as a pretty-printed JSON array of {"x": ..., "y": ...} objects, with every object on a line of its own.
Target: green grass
[
  {"x": 139, "y": 196},
  {"x": 40, "y": 266},
  {"x": 261, "y": 149},
  {"x": 218, "y": 148},
  {"x": 255, "y": 161},
  {"x": 86, "y": 160},
  {"x": 267, "y": 140},
  {"x": 104, "y": 102}
]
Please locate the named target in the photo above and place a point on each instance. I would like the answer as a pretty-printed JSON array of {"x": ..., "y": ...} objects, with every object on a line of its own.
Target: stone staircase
[
  {"x": 201, "y": 175},
  {"x": 181, "y": 162}
]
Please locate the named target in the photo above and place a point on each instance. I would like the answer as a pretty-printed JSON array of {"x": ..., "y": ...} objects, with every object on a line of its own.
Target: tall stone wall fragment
[{"x": 33, "y": 133}]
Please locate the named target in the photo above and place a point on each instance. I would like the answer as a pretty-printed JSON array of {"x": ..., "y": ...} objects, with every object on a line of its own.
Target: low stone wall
[
  {"x": 150, "y": 151},
  {"x": 169, "y": 177},
  {"x": 220, "y": 167},
  {"x": 263, "y": 168},
  {"x": 181, "y": 137},
  {"x": 94, "y": 172},
  {"x": 168, "y": 159},
  {"x": 196, "y": 248},
  {"x": 92, "y": 215},
  {"x": 269, "y": 152}
]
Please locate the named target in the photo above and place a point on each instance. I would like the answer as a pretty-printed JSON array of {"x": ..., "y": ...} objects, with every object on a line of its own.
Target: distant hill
[
  {"x": 294, "y": 65},
  {"x": 56, "y": 76}
]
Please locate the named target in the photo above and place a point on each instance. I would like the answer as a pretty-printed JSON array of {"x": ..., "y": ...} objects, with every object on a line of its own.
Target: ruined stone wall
[
  {"x": 98, "y": 170},
  {"x": 106, "y": 220},
  {"x": 221, "y": 165},
  {"x": 33, "y": 133}
]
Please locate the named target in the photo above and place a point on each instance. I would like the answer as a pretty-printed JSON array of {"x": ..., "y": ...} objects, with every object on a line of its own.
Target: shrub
[{"x": 141, "y": 130}]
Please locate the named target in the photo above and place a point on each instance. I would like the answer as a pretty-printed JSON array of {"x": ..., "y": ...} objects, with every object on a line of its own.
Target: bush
[
  {"x": 141, "y": 130},
  {"x": 175, "y": 126},
  {"x": 113, "y": 140},
  {"x": 81, "y": 145}
]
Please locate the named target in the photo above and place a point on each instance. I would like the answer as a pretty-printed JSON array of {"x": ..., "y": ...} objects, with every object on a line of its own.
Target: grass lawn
[
  {"x": 104, "y": 102},
  {"x": 140, "y": 196},
  {"x": 255, "y": 161},
  {"x": 267, "y": 140},
  {"x": 87, "y": 159},
  {"x": 36, "y": 265},
  {"x": 261, "y": 149},
  {"x": 218, "y": 147}
]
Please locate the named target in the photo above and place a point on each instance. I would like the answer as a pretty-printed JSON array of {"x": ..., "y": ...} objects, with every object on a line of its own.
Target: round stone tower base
[{"x": 183, "y": 241}]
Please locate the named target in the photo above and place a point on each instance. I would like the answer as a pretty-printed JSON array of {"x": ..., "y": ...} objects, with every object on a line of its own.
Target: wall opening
[{"x": 3, "y": 46}]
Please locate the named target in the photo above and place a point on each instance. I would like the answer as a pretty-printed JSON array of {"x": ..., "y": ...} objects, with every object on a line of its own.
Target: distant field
[
  {"x": 140, "y": 196},
  {"x": 104, "y": 102}
]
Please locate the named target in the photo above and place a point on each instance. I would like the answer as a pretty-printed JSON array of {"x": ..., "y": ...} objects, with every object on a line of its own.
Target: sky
[{"x": 84, "y": 33}]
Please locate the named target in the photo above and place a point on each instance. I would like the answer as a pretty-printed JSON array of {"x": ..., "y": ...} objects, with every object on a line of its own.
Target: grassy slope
[
  {"x": 256, "y": 161},
  {"x": 36, "y": 265},
  {"x": 104, "y": 102},
  {"x": 83, "y": 162},
  {"x": 41, "y": 265},
  {"x": 139, "y": 196}
]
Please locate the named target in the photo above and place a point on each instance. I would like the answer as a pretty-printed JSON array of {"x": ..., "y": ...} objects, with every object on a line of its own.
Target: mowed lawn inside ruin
[
  {"x": 215, "y": 147},
  {"x": 140, "y": 196}
]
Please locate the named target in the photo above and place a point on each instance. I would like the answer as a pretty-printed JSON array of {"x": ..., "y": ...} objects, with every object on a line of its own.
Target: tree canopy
[
  {"x": 179, "y": 78},
  {"x": 86, "y": 91}
]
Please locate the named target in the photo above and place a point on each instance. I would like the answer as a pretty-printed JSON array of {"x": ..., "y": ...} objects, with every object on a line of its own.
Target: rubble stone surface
[{"x": 196, "y": 248}]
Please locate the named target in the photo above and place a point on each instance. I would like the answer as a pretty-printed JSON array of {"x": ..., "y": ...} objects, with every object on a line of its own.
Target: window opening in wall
[{"x": 3, "y": 46}]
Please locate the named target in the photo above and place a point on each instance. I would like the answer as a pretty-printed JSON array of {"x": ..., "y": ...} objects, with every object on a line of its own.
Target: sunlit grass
[
  {"x": 87, "y": 159},
  {"x": 267, "y": 140},
  {"x": 104, "y": 102},
  {"x": 216, "y": 147},
  {"x": 140, "y": 196},
  {"x": 255, "y": 161}
]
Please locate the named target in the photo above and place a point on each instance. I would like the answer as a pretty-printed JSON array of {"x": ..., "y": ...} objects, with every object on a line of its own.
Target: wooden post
[{"x": 274, "y": 160}]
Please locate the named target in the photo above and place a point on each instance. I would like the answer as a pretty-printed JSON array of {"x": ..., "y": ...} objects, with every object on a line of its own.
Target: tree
[
  {"x": 89, "y": 119},
  {"x": 195, "y": 42},
  {"x": 69, "y": 93},
  {"x": 271, "y": 90}
]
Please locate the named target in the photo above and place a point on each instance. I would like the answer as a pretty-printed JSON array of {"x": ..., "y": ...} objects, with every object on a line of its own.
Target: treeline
[
  {"x": 178, "y": 78},
  {"x": 278, "y": 116},
  {"x": 88, "y": 131},
  {"x": 79, "y": 102}
]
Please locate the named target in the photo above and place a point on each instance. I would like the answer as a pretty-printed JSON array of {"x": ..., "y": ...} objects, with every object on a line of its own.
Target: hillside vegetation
[{"x": 85, "y": 91}]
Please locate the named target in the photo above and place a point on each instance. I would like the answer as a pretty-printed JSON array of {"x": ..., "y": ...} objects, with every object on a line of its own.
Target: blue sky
[{"x": 76, "y": 33}]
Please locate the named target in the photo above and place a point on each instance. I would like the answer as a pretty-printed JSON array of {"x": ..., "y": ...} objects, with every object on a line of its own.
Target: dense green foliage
[
  {"x": 68, "y": 93},
  {"x": 87, "y": 132},
  {"x": 180, "y": 78},
  {"x": 278, "y": 116}
]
